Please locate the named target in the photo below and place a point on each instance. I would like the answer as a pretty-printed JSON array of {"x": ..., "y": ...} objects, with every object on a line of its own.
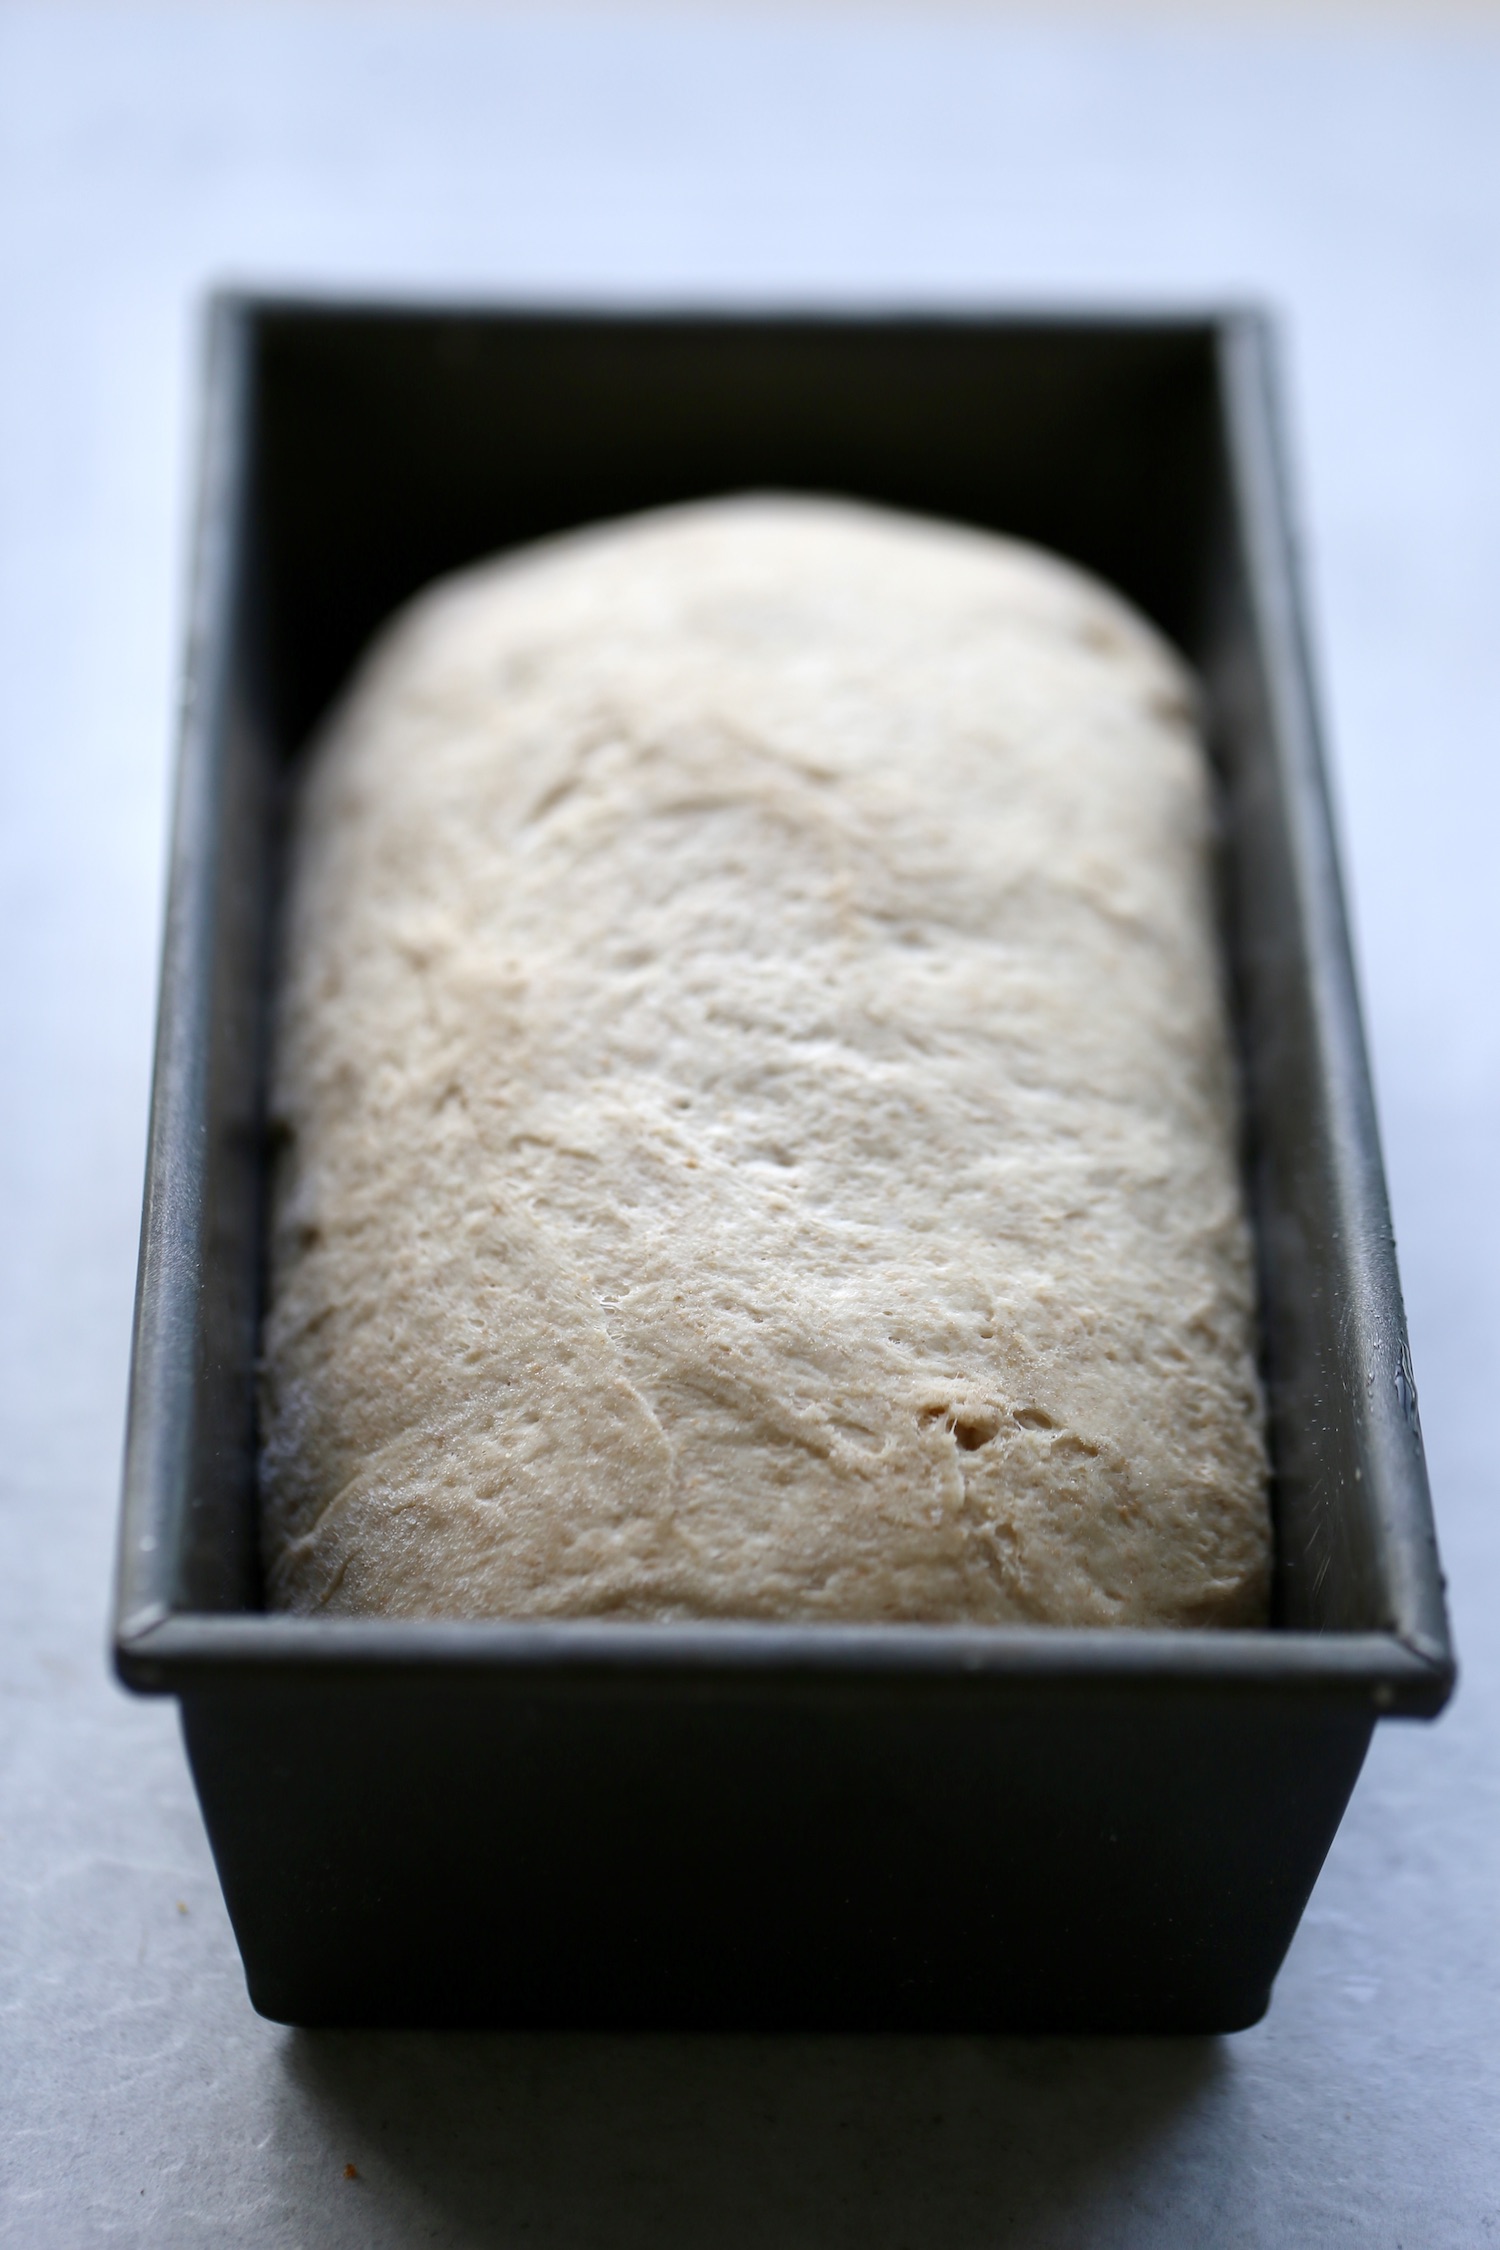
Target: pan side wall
[{"x": 709, "y": 1854}]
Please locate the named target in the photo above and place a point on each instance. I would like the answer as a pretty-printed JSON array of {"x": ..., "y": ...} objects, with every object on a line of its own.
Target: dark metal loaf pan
[{"x": 750, "y": 1825}]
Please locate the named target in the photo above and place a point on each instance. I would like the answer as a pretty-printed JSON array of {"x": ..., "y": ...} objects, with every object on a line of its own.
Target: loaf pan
[{"x": 749, "y": 1825}]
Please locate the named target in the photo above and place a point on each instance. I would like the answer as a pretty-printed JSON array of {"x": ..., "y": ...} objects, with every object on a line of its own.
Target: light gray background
[{"x": 1352, "y": 174}]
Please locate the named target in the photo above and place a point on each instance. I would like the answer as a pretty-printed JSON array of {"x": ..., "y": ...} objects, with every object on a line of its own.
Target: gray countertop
[{"x": 1350, "y": 174}]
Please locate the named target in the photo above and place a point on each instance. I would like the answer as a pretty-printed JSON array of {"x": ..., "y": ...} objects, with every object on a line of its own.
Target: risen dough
[{"x": 758, "y": 1120}]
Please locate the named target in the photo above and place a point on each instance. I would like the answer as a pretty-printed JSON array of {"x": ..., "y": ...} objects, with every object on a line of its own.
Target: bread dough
[{"x": 756, "y": 1120}]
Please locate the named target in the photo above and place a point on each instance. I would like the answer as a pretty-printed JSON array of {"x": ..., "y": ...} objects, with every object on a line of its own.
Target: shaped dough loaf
[{"x": 758, "y": 1128}]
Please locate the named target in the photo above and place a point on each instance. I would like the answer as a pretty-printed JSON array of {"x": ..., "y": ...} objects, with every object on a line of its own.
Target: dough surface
[{"x": 756, "y": 1119}]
